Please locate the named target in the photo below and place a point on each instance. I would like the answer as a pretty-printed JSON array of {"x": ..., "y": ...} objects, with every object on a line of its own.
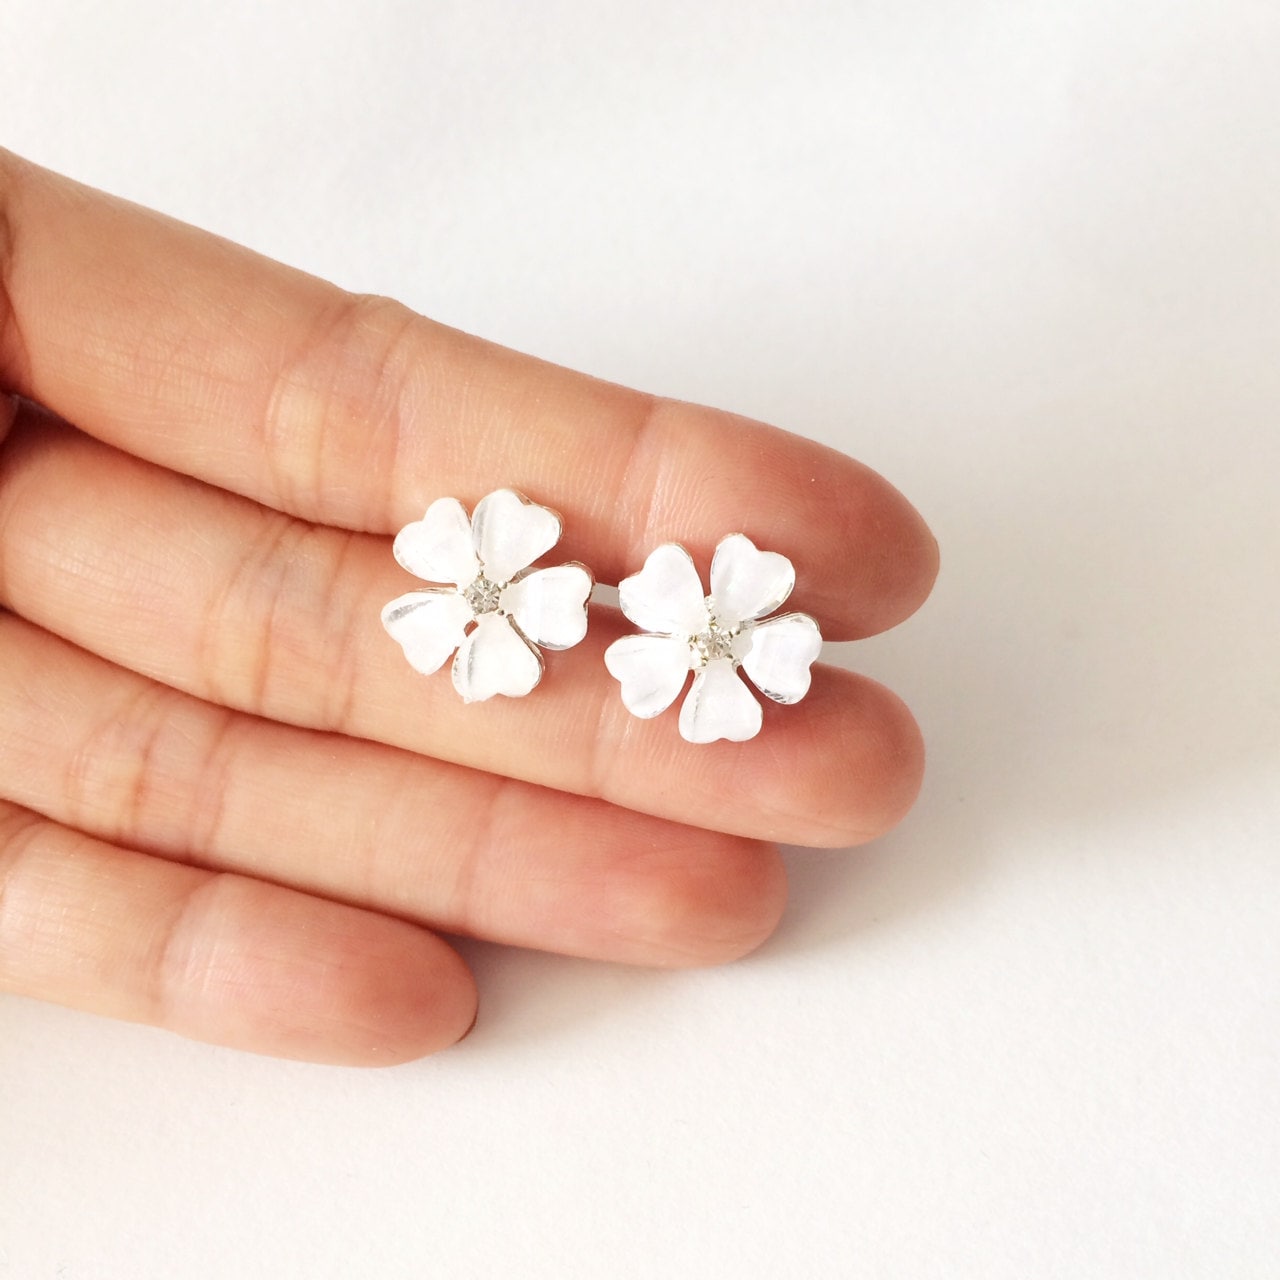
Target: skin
[{"x": 227, "y": 805}]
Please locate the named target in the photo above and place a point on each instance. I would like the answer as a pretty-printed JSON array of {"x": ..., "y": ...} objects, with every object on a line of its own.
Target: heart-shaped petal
[
  {"x": 780, "y": 654},
  {"x": 651, "y": 669},
  {"x": 719, "y": 706},
  {"x": 429, "y": 626},
  {"x": 509, "y": 533},
  {"x": 438, "y": 547},
  {"x": 550, "y": 605},
  {"x": 666, "y": 596},
  {"x": 747, "y": 583},
  {"x": 494, "y": 659}
]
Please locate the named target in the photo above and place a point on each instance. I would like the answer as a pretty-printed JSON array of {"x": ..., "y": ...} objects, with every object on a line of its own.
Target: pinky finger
[{"x": 218, "y": 957}]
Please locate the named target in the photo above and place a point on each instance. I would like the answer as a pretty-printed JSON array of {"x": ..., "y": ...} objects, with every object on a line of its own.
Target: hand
[{"x": 229, "y": 806}]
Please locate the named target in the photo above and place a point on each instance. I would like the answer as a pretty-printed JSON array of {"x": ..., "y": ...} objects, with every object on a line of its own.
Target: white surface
[{"x": 1023, "y": 259}]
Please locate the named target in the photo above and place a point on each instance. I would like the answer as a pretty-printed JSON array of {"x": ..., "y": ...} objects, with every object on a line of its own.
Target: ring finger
[{"x": 144, "y": 766}]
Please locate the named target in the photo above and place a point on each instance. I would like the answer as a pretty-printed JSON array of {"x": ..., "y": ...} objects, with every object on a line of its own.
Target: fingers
[
  {"x": 216, "y": 957},
  {"x": 351, "y": 411},
  {"x": 251, "y": 609},
  {"x": 111, "y": 753}
]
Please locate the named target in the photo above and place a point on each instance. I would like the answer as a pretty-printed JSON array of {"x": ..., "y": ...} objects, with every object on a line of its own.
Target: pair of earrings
[{"x": 498, "y": 613}]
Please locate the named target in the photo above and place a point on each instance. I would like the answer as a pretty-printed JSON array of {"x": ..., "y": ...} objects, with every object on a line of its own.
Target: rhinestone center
[
  {"x": 483, "y": 596},
  {"x": 713, "y": 644}
]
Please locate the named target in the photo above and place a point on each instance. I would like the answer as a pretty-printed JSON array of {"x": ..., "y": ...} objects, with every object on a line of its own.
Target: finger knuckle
[
  {"x": 280, "y": 627},
  {"x": 20, "y": 858},
  {"x": 353, "y": 364}
]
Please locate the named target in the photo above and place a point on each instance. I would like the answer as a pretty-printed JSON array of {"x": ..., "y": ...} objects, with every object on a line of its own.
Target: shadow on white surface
[
  {"x": 529, "y": 997},
  {"x": 1102, "y": 646}
]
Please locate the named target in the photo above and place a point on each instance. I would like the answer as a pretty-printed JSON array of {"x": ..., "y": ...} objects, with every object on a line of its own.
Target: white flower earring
[
  {"x": 497, "y": 612},
  {"x": 713, "y": 636}
]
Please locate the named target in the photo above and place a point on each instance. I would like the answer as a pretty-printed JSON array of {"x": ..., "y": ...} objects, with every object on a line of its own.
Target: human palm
[{"x": 229, "y": 806}]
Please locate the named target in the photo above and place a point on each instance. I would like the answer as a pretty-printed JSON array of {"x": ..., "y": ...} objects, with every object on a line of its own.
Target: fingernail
[{"x": 471, "y": 1028}]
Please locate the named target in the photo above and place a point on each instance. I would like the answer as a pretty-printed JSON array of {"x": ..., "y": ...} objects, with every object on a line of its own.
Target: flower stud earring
[
  {"x": 497, "y": 612},
  {"x": 713, "y": 636}
]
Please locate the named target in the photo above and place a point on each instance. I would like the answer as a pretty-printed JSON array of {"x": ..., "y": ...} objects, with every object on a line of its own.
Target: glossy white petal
[
  {"x": 550, "y": 605},
  {"x": 651, "y": 669},
  {"x": 780, "y": 654},
  {"x": 438, "y": 547},
  {"x": 719, "y": 706},
  {"x": 429, "y": 626},
  {"x": 509, "y": 533},
  {"x": 666, "y": 596},
  {"x": 746, "y": 582},
  {"x": 495, "y": 659}
]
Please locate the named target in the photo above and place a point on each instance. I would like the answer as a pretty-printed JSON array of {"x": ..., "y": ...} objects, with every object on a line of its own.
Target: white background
[{"x": 1021, "y": 257}]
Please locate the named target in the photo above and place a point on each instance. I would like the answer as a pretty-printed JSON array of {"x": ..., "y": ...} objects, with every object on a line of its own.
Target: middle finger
[{"x": 242, "y": 605}]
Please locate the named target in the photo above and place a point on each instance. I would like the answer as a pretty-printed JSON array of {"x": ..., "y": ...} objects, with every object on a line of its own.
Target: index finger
[{"x": 353, "y": 411}]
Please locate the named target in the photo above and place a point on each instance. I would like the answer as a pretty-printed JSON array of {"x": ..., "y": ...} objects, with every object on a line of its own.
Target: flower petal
[
  {"x": 651, "y": 669},
  {"x": 780, "y": 654},
  {"x": 719, "y": 706},
  {"x": 438, "y": 547},
  {"x": 550, "y": 605},
  {"x": 748, "y": 583},
  {"x": 666, "y": 596},
  {"x": 509, "y": 533},
  {"x": 429, "y": 626},
  {"x": 495, "y": 658}
]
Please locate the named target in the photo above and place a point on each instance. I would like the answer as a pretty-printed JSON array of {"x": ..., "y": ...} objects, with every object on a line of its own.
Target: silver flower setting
[
  {"x": 714, "y": 636},
  {"x": 497, "y": 613}
]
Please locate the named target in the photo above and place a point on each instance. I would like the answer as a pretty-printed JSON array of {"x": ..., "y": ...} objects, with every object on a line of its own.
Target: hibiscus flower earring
[
  {"x": 496, "y": 611},
  {"x": 713, "y": 636}
]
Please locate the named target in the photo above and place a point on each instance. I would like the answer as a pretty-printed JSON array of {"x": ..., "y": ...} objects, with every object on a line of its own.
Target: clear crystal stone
[
  {"x": 483, "y": 596},
  {"x": 714, "y": 643}
]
